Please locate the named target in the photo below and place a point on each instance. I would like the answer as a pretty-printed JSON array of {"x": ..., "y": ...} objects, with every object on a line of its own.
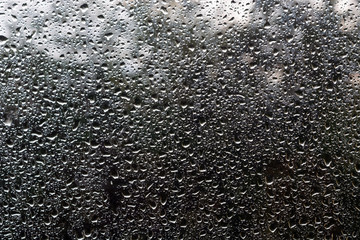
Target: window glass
[{"x": 179, "y": 119}]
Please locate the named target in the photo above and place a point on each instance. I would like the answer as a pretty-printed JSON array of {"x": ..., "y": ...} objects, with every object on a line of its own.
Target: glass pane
[{"x": 179, "y": 119}]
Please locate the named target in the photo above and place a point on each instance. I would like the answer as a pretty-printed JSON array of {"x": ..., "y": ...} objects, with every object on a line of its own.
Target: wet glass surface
[{"x": 179, "y": 119}]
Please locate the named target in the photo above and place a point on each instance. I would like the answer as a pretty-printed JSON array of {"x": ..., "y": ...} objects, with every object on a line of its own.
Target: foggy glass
[{"x": 179, "y": 119}]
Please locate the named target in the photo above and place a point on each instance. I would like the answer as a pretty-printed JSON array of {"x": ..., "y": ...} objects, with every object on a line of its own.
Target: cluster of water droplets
[{"x": 179, "y": 120}]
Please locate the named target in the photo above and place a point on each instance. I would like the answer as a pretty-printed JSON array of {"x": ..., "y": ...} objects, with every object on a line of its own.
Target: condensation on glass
[{"x": 179, "y": 119}]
